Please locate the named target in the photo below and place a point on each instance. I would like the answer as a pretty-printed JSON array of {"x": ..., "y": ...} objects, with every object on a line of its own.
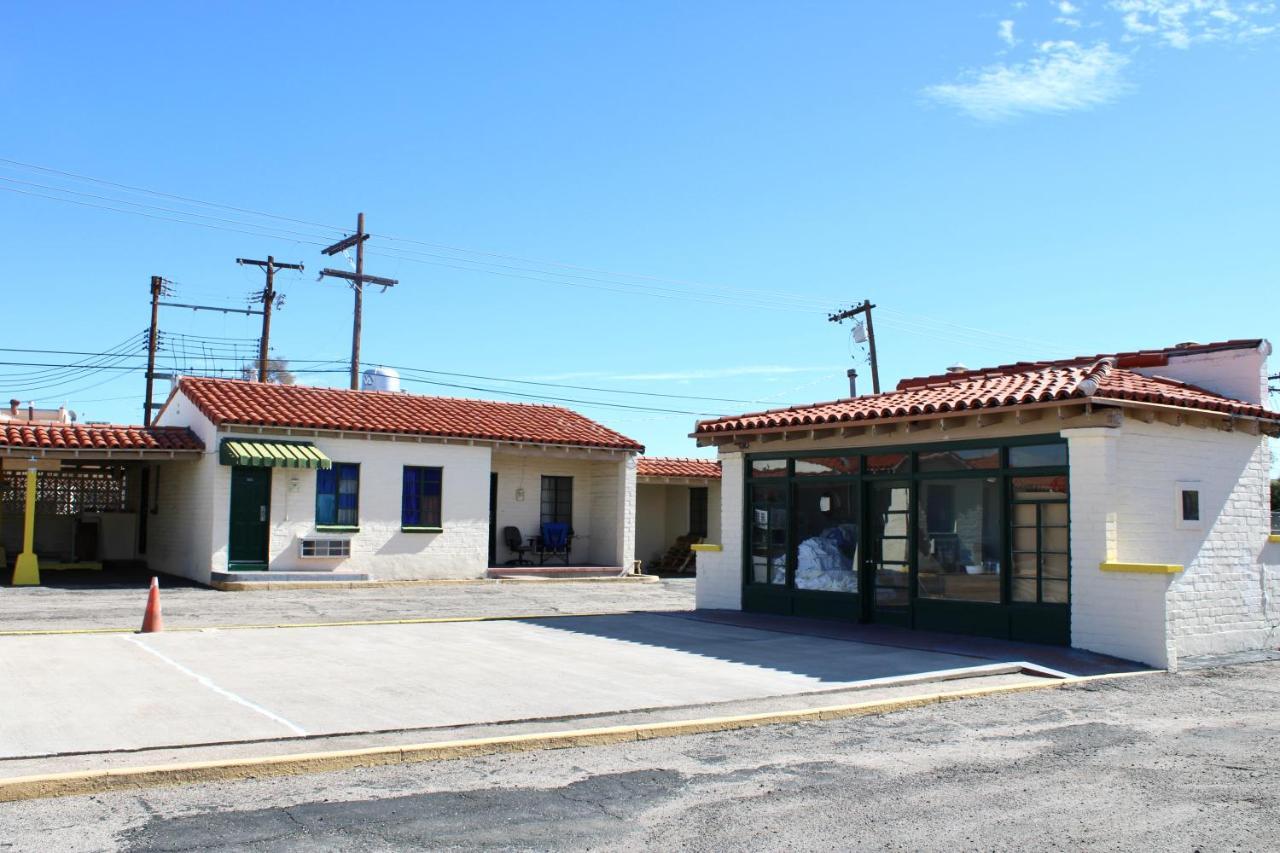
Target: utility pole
[
  {"x": 357, "y": 280},
  {"x": 159, "y": 287},
  {"x": 864, "y": 308},
  {"x": 268, "y": 299}
]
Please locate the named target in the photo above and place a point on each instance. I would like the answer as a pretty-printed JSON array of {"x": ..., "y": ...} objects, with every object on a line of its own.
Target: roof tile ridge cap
[
  {"x": 930, "y": 380},
  {"x": 1095, "y": 376},
  {"x": 366, "y": 393},
  {"x": 795, "y": 407},
  {"x": 1187, "y": 386}
]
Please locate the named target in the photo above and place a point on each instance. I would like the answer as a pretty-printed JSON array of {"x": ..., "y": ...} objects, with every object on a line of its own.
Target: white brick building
[
  {"x": 677, "y": 501},
  {"x": 1116, "y": 503},
  {"x": 322, "y": 483}
]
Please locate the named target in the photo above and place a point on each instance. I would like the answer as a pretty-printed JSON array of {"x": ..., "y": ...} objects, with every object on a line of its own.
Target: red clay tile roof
[
  {"x": 1127, "y": 360},
  {"x": 95, "y": 437},
  {"x": 673, "y": 466},
  {"x": 995, "y": 388},
  {"x": 235, "y": 401}
]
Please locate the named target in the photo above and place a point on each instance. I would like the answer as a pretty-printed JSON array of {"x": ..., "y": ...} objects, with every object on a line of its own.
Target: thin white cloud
[
  {"x": 1005, "y": 32},
  {"x": 1182, "y": 23},
  {"x": 1066, "y": 7},
  {"x": 1063, "y": 76}
]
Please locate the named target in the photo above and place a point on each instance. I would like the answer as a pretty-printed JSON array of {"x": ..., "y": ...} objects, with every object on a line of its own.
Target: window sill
[
  {"x": 407, "y": 529},
  {"x": 1142, "y": 568},
  {"x": 338, "y": 528}
]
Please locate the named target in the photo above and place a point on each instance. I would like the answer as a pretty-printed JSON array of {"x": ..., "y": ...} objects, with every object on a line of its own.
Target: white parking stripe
[{"x": 207, "y": 682}]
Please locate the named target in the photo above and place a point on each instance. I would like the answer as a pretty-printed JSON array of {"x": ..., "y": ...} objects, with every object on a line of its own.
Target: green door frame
[{"x": 249, "y": 518}]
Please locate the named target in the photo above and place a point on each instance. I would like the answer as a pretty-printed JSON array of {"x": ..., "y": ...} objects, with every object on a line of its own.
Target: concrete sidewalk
[{"x": 94, "y": 693}]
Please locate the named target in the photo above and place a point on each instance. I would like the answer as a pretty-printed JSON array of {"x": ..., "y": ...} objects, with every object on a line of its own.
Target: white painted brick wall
[
  {"x": 1124, "y": 507},
  {"x": 380, "y": 548},
  {"x": 180, "y": 533},
  {"x": 1240, "y": 374},
  {"x": 603, "y": 502},
  {"x": 719, "y": 584}
]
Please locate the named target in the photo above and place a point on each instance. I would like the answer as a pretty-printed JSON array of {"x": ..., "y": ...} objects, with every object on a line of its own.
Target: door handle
[{"x": 262, "y": 513}]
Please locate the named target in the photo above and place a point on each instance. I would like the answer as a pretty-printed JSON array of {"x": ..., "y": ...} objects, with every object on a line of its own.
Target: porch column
[{"x": 26, "y": 572}]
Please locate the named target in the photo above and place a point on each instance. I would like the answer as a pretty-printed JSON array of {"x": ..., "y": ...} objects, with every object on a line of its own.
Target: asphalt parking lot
[
  {"x": 119, "y": 603},
  {"x": 1150, "y": 762}
]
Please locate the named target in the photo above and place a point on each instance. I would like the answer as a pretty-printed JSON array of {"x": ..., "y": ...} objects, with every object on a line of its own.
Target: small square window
[
  {"x": 1187, "y": 505},
  {"x": 1190, "y": 505}
]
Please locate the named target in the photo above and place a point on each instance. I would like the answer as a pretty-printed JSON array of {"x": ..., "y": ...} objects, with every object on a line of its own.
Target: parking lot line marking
[{"x": 221, "y": 691}]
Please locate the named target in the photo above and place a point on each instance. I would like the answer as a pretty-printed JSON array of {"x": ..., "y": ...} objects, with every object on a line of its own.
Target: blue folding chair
[{"x": 554, "y": 542}]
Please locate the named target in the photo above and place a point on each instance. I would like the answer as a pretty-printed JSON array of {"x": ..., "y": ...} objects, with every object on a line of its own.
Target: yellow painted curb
[
  {"x": 133, "y": 778},
  {"x": 1142, "y": 568},
  {"x": 1274, "y": 537},
  {"x": 426, "y": 620}
]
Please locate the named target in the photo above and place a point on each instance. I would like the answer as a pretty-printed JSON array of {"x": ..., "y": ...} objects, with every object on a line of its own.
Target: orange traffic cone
[{"x": 151, "y": 620}]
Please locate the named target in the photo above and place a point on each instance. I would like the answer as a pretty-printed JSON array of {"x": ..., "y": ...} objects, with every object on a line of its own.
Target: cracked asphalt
[{"x": 1188, "y": 761}]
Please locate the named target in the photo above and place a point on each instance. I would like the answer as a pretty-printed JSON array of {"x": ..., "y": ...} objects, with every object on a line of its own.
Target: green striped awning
[{"x": 272, "y": 454}]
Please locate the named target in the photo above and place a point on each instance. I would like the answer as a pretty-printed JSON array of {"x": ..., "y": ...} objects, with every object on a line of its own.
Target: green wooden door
[{"x": 250, "y": 511}]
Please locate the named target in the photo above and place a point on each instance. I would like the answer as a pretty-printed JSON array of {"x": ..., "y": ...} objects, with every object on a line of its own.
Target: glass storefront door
[{"x": 888, "y": 567}]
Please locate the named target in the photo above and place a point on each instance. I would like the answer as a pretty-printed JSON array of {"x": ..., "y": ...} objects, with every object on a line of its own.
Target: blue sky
[{"x": 659, "y": 198}]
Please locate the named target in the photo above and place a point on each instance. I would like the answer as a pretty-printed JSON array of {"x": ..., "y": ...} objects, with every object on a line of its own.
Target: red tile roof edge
[
  {"x": 677, "y": 466},
  {"x": 607, "y": 438},
  {"x": 21, "y": 435},
  {"x": 1031, "y": 384},
  {"x": 1134, "y": 358}
]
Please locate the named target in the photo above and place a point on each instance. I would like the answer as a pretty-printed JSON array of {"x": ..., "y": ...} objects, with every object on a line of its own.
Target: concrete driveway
[{"x": 87, "y": 693}]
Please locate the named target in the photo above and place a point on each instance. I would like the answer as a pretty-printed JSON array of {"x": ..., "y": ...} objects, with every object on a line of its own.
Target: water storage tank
[{"x": 380, "y": 379}]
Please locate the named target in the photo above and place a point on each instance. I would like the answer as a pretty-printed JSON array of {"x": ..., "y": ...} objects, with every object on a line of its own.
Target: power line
[
  {"x": 816, "y": 302},
  {"x": 237, "y": 357}
]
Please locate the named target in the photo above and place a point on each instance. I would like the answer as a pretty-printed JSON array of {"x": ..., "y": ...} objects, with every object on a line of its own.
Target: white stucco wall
[
  {"x": 180, "y": 532},
  {"x": 380, "y": 548},
  {"x": 1237, "y": 373},
  {"x": 719, "y": 584},
  {"x": 1124, "y": 508},
  {"x": 188, "y": 535},
  {"x": 603, "y": 501},
  {"x": 662, "y": 514},
  {"x": 651, "y": 521}
]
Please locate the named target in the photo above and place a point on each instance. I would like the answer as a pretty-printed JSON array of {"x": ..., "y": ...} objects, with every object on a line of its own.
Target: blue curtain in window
[
  {"x": 409, "y": 502},
  {"x": 348, "y": 494},
  {"x": 326, "y": 491}
]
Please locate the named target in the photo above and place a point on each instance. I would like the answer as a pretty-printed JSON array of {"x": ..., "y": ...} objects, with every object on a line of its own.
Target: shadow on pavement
[{"x": 826, "y": 650}]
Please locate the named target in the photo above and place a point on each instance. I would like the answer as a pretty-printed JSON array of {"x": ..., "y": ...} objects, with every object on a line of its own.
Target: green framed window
[
  {"x": 1040, "y": 533},
  {"x": 557, "y": 500},
  {"x": 422, "y": 497},
  {"x": 338, "y": 495}
]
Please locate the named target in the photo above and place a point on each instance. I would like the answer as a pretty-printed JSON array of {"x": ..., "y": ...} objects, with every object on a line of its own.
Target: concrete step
[
  {"x": 287, "y": 577},
  {"x": 554, "y": 571}
]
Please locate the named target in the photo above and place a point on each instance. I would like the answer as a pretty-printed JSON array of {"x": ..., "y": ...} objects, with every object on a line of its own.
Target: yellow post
[{"x": 26, "y": 572}]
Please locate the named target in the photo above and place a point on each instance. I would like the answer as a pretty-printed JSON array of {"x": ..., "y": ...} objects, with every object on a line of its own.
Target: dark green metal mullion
[
  {"x": 1006, "y": 547},
  {"x": 1039, "y": 553},
  {"x": 747, "y": 502},
  {"x": 913, "y": 547},
  {"x": 789, "y": 576}
]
